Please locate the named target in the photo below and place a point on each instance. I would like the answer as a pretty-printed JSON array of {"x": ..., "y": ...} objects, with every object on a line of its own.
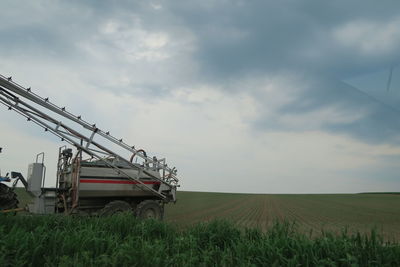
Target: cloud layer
[{"x": 241, "y": 96}]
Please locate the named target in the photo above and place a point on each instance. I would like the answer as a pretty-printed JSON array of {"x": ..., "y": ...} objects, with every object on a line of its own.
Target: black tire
[
  {"x": 150, "y": 209},
  {"x": 8, "y": 198},
  {"x": 115, "y": 207}
]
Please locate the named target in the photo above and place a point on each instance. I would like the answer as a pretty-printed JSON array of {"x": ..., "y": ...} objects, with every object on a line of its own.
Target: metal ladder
[{"x": 12, "y": 95}]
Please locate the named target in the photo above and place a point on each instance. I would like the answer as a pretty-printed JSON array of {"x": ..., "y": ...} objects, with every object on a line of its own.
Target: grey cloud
[
  {"x": 273, "y": 32},
  {"x": 280, "y": 35},
  {"x": 34, "y": 40},
  {"x": 56, "y": 45},
  {"x": 233, "y": 39},
  {"x": 374, "y": 120}
]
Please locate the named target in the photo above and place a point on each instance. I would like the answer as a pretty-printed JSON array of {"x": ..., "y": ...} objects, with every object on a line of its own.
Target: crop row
[{"x": 357, "y": 212}]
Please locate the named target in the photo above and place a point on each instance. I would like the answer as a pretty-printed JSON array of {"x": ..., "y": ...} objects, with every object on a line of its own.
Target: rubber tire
[
  {"x": 115, "y": 207},
  {"x": 149, "y": 209},
  {"x": 8, "y": 198}
]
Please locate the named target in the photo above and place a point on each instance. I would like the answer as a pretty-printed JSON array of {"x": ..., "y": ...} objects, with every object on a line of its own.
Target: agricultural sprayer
[{"x": 97, "y": 173}]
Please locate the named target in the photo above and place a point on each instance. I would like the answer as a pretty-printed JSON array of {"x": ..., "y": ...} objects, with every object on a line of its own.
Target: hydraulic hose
[{"x": 134, "y": 154}]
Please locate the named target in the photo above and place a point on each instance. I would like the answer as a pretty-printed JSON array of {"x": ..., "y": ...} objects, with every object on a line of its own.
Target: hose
[{"x": 134, "y": 154}]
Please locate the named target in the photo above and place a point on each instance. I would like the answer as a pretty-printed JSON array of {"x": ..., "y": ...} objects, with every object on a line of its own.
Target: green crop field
[
  {"x": 215, "y": 229},
  {"x": 357, "y": 212},
  {"x": 123, "y": 240},
  {"x": 312, "y": 213}
]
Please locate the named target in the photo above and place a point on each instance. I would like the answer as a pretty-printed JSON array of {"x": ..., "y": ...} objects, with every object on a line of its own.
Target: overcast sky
[{"x": 240, "y": 96}]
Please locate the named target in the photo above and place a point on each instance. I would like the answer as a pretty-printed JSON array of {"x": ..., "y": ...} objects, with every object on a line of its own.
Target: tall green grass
[{"x": 126, "y": 241}]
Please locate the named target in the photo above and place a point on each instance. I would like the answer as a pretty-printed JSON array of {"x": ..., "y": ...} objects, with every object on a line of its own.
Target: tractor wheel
[
  {"x": 8, "y": 198},
  {"x": 115, "y": 207},
  {"x": 149, "y": 209}
]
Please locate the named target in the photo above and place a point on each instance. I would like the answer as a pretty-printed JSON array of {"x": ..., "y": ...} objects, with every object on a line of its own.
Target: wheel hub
[{"x": 150, "y": 214}]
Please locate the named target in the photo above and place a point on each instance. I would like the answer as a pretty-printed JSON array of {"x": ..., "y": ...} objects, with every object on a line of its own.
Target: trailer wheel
[
  {"x": 8, "y": 198},
  {"x": 149, "y": 209},
  {"x": 115, "y": 207}
]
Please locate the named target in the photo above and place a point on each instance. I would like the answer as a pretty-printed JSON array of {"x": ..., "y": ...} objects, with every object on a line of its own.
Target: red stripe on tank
[{"x": 96, "y": 181}]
